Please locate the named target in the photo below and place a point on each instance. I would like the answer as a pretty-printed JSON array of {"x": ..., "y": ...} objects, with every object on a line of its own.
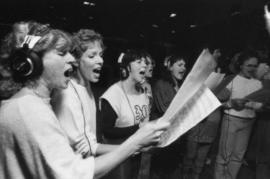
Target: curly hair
[
  {"x": 10, "y": 42},
  {"x": 82, "y": 39},
  {"x": 50, "y": 39}
]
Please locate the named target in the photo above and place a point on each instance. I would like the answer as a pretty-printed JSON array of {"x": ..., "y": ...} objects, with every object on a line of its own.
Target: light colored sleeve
[
  {"x": 70, "y": 115},
  {"x": 53, "y": 145}
]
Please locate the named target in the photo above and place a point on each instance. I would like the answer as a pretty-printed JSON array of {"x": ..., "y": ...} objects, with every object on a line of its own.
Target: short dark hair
[
  {"x": 244, "y": 56},
  {"x": 129, "y": 56},
  {"x": 171, "y": 59}
]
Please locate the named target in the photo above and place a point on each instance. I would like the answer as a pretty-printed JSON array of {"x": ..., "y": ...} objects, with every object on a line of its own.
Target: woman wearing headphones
[
  {"x": 125, "y": 108},
  {"x": 164, "y": 91},
  {"x": 75, "y": 106},
  {"x": 33, "y": 144},
  {"x": 13, "y": 40},
  {"x": 167, "y": 86}
]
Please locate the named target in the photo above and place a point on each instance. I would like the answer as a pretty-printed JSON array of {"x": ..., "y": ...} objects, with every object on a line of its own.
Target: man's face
[{"x": 248, "y": 68}]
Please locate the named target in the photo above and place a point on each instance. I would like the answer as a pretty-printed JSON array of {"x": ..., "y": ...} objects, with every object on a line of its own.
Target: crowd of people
[{"x": 48, "y": 111}]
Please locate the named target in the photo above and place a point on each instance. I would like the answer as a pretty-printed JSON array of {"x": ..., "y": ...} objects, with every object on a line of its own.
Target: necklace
[
  {"x": 84, "y": 118},
  {"x": 134, "y": 117},
  {"x": 44, "y": 98}
]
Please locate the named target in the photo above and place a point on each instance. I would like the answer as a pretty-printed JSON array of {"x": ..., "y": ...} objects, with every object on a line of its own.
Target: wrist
[
  {"x": 132, "y": 144},
  {"x": 227, "y": 105}
]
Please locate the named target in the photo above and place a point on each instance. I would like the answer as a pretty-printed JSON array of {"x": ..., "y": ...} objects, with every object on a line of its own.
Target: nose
[
  {"x": 184, "y": 67},
  {"x": 144, "y": 63},
  {"x": 69, "y": 58},
  {"x": 100, "y": 60}
]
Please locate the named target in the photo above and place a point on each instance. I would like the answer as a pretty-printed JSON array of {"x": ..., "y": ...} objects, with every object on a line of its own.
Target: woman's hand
[
  {"x": 254, "y": 105},
  {"x": 149, "y": 134},
  {"x": 237, "y": 104}
]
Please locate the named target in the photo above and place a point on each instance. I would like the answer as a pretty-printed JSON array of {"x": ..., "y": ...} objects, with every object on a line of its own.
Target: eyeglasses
[{"x": 250, "y": 65}]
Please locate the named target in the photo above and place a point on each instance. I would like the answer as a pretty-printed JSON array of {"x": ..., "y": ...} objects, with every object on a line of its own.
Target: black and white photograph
[{"x": 134, "y": 89}]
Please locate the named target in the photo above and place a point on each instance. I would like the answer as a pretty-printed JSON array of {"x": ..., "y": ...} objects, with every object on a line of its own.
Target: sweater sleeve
[
  {"x": 108, "y": 117},
  {"x": 51, "y": 149}
]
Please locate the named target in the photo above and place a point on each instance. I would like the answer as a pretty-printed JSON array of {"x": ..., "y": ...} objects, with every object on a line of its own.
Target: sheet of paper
[
  {"x": 193, "y": 102},
  {"x": 204, "y": 65},
  {"x": 198, "y": 107},
  {"x": 214, "y": 80}
]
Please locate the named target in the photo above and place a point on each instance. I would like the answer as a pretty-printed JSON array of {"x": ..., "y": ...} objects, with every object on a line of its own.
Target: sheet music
[
  {"x": 198, "y": 107},
  {"x": 204, "y": 65},
  {"x": 214, "y": 80},
  {"x": 193, "y": 102}
]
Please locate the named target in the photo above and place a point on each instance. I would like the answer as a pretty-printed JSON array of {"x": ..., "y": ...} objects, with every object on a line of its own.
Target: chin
[
  {"x": 179, "y": 78},
  {"x": 63, "y": 86},
  {"x": 94, "y": 80}
]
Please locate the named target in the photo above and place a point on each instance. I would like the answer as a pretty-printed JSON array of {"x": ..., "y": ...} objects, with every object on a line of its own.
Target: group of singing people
[
  {"x": 48, "y": 112},
  {"x": 48, "y": 116}
]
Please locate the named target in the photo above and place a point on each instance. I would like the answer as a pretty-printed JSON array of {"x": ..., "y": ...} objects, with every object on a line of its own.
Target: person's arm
[
  {"x": 105, "y": 148},
  {"x": 108, "y": 117},
  {"x": 63, "y": 162},
  {"x": 146, "y": 136},
  {"x": 70, "y": 115},
  {"x": 236, "y": 104}
]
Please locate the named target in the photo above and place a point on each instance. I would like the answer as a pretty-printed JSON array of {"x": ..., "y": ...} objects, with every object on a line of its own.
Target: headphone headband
[
  {"x": 30, "y": 40},
  {"x": 120, "y": 58},
  {"x": 25, "y": 63}
]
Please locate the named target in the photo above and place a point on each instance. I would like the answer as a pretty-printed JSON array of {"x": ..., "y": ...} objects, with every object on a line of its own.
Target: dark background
[{"x": 231, "y": 25}]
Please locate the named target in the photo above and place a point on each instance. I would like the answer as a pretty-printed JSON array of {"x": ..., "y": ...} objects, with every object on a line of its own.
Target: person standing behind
[
  {"x": 261, "y": 104},
  {"x": 167, "y": 86},
  {"x": 75, "y": 106},
  {"x": 237, "y": 121},
  {"x": 263, "y": 123},
  {"x": 124, "y": 108},
  {"x": 164, "y": 91},
  {"x": 147, "y": 85}
]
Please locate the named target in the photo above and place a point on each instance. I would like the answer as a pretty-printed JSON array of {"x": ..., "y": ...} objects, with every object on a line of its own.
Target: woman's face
[
  {"x": 91, "y": 62},
  {"x": 137, "y": 70},
  {"x": 149, "y": 68},
  {"x": 57, "y": 68},
  {"x": 178, "y": 69},
  {"x": 249, "y": 67}
]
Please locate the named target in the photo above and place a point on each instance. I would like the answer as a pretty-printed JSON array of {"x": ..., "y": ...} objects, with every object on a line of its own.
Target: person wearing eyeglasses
[{"x": 238, "y": 120}]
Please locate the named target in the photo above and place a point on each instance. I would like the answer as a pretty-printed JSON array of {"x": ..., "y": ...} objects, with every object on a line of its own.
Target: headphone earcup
[
  {"x": 124, "y": 72},
  {"x": 25, "y": 64},
  {"x": 38, "y": 64}
]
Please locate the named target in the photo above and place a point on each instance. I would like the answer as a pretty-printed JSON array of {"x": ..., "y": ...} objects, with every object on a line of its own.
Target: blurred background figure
[
  {"x": 237, "y": 121},
  {"x": 164, "y": 91}
]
